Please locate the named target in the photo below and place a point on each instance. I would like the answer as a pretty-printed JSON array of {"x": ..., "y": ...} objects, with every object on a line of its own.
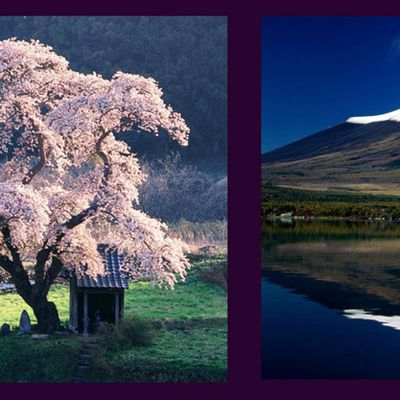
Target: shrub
[
  {"x": 134, "y": 331},
  {"x": 200, "y": 233},
  {"x": 171, "y": 184},
  {"x": 217, "y": 275},
  {"x": 138, "y": 331}
]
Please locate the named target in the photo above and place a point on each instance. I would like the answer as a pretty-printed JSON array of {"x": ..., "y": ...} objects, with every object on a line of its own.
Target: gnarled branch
[
  {"x": 102, "y": 155},
  {"x": 42, "y": 161}
]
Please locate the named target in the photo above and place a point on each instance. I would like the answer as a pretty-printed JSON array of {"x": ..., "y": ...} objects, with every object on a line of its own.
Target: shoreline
[{"x": 328, "y": 218}]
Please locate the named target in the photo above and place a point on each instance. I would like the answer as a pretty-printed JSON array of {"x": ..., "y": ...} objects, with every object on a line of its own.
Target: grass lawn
[
  {"x": 191, "y": 299},
  {"x": 23, "y": 359},
  {"x": 11, "y": 306},
  {"x": 177, "y": 355},
  {"x": 191, "y": 347}
]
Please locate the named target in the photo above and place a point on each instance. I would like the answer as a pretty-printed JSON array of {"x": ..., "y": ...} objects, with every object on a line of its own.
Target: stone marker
[
  {"x": 24, "y": 322},
  {"x": 62, "y": 333},
  {"x": 5, "y": 330},
  {"x": 39, "y": 336}
]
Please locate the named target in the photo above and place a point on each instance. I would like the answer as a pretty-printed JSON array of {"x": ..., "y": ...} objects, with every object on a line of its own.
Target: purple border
[{"x": 244, "y": 193}]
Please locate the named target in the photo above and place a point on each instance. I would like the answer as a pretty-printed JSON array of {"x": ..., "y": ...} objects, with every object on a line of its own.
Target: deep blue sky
[{"x": 318, "y": 71}]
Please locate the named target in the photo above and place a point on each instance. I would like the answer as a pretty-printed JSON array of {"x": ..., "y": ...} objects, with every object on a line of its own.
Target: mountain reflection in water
[
  {"x": 392, "y": 321},
  {"x": 352, "y": 271}
]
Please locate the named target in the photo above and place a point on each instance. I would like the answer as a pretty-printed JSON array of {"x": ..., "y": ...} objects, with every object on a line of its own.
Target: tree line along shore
[{"x": 279, "y": 202}]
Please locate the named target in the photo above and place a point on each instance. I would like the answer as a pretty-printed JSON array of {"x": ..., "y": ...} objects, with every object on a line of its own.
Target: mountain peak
[
  {"x": 390, "y": 116},
  {"x": 362, "y": 154}
]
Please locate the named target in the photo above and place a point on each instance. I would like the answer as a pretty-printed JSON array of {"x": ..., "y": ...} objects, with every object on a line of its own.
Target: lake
[{"x": 330, "y": 300}]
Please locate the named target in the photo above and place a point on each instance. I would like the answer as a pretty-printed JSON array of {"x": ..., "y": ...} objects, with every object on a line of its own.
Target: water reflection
[
  {"x": 392, "y": 321},
  {"x": 367, "y": 267},
  {"x": 343, "y": 275}
]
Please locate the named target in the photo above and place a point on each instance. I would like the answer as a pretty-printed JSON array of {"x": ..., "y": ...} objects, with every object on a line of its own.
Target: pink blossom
[{"x": 69, "y": 184}]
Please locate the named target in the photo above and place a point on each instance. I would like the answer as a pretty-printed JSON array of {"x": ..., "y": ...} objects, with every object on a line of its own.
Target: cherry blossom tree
[{"x": 67, "y": 183}]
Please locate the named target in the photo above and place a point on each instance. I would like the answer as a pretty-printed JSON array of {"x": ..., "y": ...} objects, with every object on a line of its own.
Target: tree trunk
[{"x": 47, "y": 316}]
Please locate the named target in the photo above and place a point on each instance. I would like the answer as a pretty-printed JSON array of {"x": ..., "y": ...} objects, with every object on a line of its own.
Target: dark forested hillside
[{"x": 186, "y": 55}]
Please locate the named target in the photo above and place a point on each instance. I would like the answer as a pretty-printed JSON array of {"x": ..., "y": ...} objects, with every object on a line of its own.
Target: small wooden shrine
[{"x": 98, "y": 299}]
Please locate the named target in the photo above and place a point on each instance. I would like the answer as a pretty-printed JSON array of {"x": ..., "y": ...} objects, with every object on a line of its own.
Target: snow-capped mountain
[
  {"x": 362, "y": 150},
  {"x": 390, "y": 116}
]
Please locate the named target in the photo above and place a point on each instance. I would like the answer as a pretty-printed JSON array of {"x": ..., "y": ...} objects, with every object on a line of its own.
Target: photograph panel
[
  {"x": 113, "y": 199},
  {"x": 330, "y": 198}
]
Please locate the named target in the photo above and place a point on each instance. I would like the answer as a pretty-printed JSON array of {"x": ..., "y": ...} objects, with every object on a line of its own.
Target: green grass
[
  {"x": 191, "y": 347},
  {"x": 11, "y": 306},
  {"x": 178, "y": 355},
  {"x": 193, "y": 299},
  {"x": 23, "y": 359},
  {"x": 190, "y": 299}
]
